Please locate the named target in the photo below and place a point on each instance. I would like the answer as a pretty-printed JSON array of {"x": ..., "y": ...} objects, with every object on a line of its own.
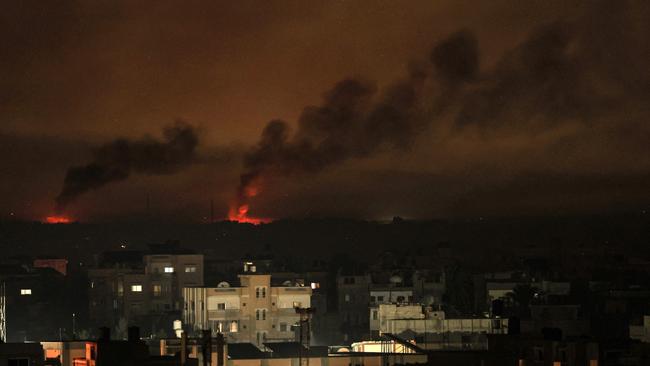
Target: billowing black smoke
[
  {"x": 118, "y": 159},
  {"x": 589, "y": 72},
  {"x": 355, "y": 122}
]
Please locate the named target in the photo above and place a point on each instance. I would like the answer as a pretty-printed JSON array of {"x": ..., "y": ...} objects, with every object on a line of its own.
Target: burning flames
[
  {"x": 239, "y": 209},
  {"x": 56, "y": 219},
  {"x": 239, "y": 213}
]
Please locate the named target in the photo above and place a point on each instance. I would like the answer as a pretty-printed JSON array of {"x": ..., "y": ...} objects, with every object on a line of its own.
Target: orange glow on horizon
[
  {"x": 239, "y": 208},
  {"x": 240, "y": 214},
  {"x": 56, "y": 219}
]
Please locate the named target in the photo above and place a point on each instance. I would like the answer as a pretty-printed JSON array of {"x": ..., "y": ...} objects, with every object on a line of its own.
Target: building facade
[
  {"x": 144, "y": 290},
  {"x": 254, "y": 312}
]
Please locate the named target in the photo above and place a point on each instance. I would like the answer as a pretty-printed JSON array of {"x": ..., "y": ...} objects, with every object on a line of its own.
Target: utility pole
[
  {"x": 212, "y": 211},
  {"x": 305, "y": 331},
  {"x": 3, "y": 314},
  {"x": 206, "y": 346}
]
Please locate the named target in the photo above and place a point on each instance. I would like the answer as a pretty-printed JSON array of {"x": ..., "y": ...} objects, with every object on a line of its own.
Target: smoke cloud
[
  {"x": 117, "y": 160},
  {"x": 561, "y": 73},
  {"x": 356, "y": 121}
]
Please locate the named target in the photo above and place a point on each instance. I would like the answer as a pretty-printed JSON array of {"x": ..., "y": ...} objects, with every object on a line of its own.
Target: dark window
[{"x": 18, "y": 362}]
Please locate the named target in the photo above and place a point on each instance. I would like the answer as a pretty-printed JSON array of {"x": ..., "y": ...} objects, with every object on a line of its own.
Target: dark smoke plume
[
  {"x": 117, "y": 160},
  {"x": 591, "y": 71},
  {"x": 355, "y": 122}
]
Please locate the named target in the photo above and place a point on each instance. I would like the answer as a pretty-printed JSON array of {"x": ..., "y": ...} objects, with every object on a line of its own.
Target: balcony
[{"x": 228, "y": 314}]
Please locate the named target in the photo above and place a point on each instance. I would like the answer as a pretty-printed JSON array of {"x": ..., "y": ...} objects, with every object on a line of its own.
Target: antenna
[{"x": 3, "y": 314}]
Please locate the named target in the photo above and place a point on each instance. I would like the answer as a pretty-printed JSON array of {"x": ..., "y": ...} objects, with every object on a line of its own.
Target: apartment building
[
  {"x": 134, "y": 288},
  {"x": 255, "y": 312}
]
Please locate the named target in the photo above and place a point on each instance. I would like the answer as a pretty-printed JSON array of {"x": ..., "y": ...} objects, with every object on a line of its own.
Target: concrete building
[
  {"x": 292, "y": 354},
  {"x": 255, "y": 312},
  {"x": 21, "y": 354},
  {"x": 641, "y": 332},
  {"x": 64, "y": 352},
  {"x": 30, "y": 293},
  {"x": 430, "y": 329},
  {"x": 353, "y": 292},
  {"x": 132, "y": 288}
]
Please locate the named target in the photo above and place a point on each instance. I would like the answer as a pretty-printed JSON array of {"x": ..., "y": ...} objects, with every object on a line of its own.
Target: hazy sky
[{"x": 554, "y": 119}]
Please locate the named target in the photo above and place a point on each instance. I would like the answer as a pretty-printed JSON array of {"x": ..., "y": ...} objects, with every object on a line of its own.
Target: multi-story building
[
  {"x": 129, "y": 288},
  {"x": 431, "y": 328},
  {"x": 30, "y": 293},
  {"x": 353, "y": 301},
  {"x": 255, "y": 312}
]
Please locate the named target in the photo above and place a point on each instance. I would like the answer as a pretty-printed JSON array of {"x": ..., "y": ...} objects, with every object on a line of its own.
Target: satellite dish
[{"x": 223, "y": 284}]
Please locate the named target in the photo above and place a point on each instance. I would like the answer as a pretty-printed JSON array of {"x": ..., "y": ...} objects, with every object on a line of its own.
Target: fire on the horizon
[
  {"x": 57, "y": 219},
  {"x": 239, "y": 208},
  {"x": 240, "y": 214}
]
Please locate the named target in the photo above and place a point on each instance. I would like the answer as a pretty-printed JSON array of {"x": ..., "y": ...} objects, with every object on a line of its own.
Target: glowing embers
[{"x": 56, "y": 219}]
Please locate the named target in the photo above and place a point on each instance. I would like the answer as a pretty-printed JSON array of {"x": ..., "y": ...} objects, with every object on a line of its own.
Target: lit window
[
  {"x": 169, "y": 269},
  {"x": 136, "y": 288},
  {"x": 157, "y": 290},
  {"x": 26, "y": 291},
  {"x": 234, "y": 326},
  {"x": 315, "y": 285},
  {"x": 347, "y": 298},
  {"x": 190, "y": 269}
]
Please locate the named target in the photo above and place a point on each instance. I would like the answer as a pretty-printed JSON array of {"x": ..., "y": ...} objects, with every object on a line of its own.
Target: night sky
[{"x": 364, "y": 109}]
